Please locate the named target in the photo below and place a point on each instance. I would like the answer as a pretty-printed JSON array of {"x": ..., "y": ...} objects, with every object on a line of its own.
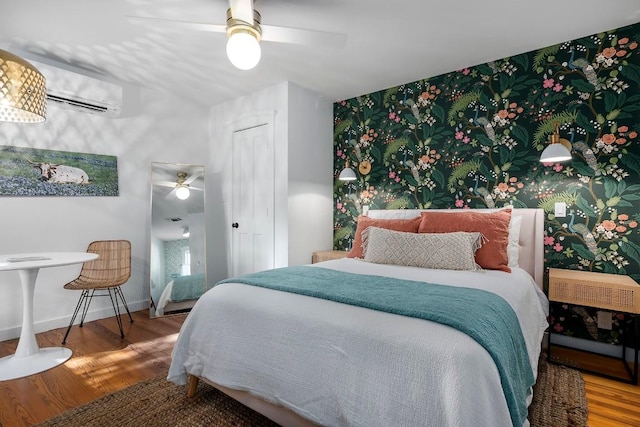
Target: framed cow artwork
[{"x": 38, "y": 172}]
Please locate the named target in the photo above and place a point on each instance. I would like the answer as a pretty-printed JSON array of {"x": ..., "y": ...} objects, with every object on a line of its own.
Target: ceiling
[{"x": 387, "y": 42}]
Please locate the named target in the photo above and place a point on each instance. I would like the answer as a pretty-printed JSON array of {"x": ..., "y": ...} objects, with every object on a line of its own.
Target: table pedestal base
[{"x": 12, "y": 367}]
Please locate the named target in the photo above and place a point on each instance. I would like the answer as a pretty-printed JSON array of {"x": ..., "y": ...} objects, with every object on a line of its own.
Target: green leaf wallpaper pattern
[{"x": 472, "y": 139}]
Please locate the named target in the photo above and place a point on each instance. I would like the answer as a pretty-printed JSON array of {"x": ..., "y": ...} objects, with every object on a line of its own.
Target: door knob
[{"x": 234, "y": 225}]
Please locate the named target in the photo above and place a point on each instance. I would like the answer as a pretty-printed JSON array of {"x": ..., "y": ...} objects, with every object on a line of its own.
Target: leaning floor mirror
[{"x": 177, "y": 256}]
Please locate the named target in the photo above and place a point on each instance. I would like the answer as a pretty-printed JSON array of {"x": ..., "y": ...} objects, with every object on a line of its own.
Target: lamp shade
[
  {"x": 347, "y": 174},
  {"x": 23, "y": 94},
  {"x": 555, "y": 153},
  {"x": 243, "y": 50},
  {"x": 182, "y": 192}
]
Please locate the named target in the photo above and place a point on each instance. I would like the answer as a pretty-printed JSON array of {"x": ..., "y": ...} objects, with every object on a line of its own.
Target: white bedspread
[
  {"x": 165, "y": 298},
  {"x": 341, "y": 365}
]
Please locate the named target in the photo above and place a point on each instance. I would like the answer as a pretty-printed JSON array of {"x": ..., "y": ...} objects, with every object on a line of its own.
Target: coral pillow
[
  {"x": 407, "y": 225},
  {"x": 494, "y": 226}
]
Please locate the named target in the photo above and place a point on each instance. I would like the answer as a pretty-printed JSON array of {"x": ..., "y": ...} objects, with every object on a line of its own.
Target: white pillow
[
  {"x": 446, "y": 251},
  {"x": 513, "y": 248}
]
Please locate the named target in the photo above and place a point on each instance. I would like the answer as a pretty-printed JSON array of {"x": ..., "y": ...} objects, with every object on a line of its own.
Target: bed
[
  {"x": 301, "y": 360},
  {"x": 180, "y": 294}
]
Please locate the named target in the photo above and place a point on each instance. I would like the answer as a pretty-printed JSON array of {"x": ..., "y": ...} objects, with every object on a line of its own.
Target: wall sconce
[
  {"x": 185, "y": 232},
  {"x": 23, "y": 94},
  {"x": 347, "y": 173},
  {"x": 558, "y": 150}
]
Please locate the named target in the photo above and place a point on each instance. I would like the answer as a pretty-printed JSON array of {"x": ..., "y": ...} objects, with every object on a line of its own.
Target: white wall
[
  {"x": 158, "y": 128},
  {"x": 305, "y": 135},
  {"x": 310, "y": 175}
]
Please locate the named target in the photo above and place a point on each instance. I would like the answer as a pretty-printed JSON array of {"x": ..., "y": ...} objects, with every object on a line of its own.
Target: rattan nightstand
[
  {"x": 320, "y": 256},
  {"x": 612, "y": 292}
]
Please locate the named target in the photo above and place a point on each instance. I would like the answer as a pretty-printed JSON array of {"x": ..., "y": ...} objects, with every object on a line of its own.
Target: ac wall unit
[{"x": 72, "y": 90}]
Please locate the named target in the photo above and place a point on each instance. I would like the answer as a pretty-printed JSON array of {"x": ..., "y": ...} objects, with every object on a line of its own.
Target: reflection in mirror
[{"x": 177, "y": 257}]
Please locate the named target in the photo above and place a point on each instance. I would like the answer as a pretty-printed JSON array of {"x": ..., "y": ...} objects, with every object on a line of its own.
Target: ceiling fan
[
  {"x": 181, "y": 186},
  {"x": 245, "y": 30}
]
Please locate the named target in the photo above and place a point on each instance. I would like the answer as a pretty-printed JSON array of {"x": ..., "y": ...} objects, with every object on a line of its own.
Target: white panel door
[{"x": 253, "y": 200}]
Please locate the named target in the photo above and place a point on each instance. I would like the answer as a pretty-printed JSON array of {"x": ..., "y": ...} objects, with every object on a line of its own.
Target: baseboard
[{"x": 61, "y": 322}]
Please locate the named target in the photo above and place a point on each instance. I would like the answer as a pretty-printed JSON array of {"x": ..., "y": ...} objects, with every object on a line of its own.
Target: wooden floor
[{"x": 103, "y": 363}]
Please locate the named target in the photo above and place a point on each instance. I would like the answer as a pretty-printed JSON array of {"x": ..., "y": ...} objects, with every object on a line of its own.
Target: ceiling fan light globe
[
  {"x": 243, "y": 50},
  {"x": 182, "y": 193}
]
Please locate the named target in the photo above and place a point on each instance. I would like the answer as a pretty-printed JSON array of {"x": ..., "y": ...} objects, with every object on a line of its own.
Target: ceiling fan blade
[
  {"x": 304, "y": 37},
  {"x": 186, "y": 25},
  {"x": 242, "y": 10},
  {"x": 192, "y": 178},
  {"x": 165, "y": 183}
]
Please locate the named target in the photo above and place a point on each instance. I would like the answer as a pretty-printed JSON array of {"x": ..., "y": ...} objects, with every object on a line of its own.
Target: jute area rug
[{"x": 559, "y": 400}]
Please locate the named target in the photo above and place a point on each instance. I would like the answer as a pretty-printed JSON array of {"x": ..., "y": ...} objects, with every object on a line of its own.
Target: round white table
[{"x": 29, "y": 358}]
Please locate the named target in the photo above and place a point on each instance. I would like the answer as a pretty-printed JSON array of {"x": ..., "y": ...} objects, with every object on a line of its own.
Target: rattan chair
[{"x": 103, "y": 275}]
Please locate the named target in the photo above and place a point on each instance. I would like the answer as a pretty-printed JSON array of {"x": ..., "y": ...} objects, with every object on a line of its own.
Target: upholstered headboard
[{"x": 531, "y": 253}]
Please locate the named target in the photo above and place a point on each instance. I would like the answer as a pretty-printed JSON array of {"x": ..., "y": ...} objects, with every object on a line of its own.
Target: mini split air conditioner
[{"x": 72, "y": 90}]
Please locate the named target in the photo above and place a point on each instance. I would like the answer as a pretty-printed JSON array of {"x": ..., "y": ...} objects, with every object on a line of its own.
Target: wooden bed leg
[{"x": 193, "y": 385}]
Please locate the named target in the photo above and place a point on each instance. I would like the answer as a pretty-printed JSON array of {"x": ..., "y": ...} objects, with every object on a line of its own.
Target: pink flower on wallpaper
[
  {"x": 392, "y": 174},
  {"x": 558, "y": 247},
  {"x": 392, "y": 115},
  {"x": 558, "y": 327},
  {"x": 548, "y": 83},
  {"x": 397, "y": 179},
  {"x": 557, "y": 87},
  {"x": 558, "y": 167},
  {"x": 339, "y": 205},
  {"x": 466, "y": 71},
  {"x": 549, "y": 240},
  {"x": 466, "y": 140},
  {"x": 459, "y": 135},
  {"x": 339, "y": 153},
  {"x": 459, "y": 203}
]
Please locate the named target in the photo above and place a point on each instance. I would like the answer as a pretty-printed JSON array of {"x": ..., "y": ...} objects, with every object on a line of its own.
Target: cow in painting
[{"x": 60, "y": 174}]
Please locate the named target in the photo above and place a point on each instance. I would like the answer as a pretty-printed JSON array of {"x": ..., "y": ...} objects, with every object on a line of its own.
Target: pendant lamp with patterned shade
[{"x": 23, "y": 95}]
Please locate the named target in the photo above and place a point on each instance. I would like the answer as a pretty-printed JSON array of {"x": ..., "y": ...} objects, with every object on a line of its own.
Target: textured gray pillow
[{"x": 447, "y": 251}]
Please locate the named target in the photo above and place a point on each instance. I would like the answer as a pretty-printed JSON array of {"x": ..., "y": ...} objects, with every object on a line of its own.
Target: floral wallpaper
[
  {"x": 472, "y": 138},
  {"x": 173, "y": 258}
]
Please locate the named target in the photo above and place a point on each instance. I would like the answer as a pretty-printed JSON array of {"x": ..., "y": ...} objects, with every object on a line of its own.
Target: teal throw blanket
[
  {"x": 187, "y": 287},
  {"x": 484, "y": 316}
]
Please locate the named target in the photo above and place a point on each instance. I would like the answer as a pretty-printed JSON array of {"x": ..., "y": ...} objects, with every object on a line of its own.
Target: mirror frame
[{"x": 169, "y": 216}]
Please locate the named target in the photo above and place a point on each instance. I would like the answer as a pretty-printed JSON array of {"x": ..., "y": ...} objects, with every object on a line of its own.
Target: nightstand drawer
[
  {"x": 320, "y": 256},
  {"x": 607, "y": 291}
]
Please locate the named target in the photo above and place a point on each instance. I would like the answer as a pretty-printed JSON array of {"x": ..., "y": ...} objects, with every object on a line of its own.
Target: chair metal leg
[
  {"x": 75, "y": 314},
  {"x": 119, "y": 292},
  {"x": 116, "y": 309},
  {"x": 87, "y": 302}
]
